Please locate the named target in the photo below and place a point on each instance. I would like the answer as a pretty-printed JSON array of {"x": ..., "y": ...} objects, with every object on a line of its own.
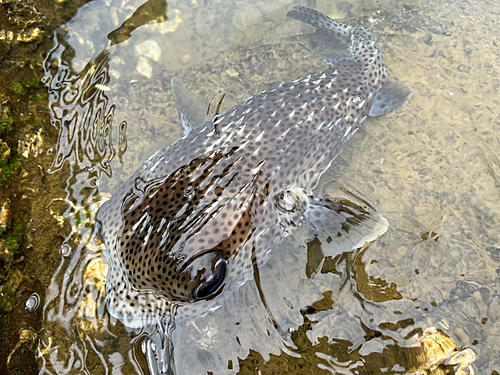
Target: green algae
[
  {"x": 6, "y": 125},
  {"x": 19, "y": 226},
  {"x": 12, "y": 243},
  {"x": 7, "y": 301},
  {"x": 9, "y": 167},
  {"x": 32, "y": 82},
  {"x": 40, "y": 98},
  {"x": 25, "y": 87},
  {"x": 8, "y": 291},
  {"x": 18, "y": 89},
  {"x": 10, "y": 164},
  {"x": 22, "y": 108},
  {"x": 13, "y": 235}
]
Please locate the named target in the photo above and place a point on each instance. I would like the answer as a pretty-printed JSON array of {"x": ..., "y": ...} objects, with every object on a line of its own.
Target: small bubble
[
  {"x": 94, "y": 182},
  {"x": 50, "y": 151},
  {"x": 451, "y": 93},
  {"x": 382, "y": 161},
  {"x": 64, "y": 250},
  {"x": 189, "y": 192},
  {"x": 33, "y": 302}
]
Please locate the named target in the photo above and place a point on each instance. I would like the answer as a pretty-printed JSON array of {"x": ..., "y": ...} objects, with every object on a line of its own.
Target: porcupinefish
[{"x": 189, "y": 226}]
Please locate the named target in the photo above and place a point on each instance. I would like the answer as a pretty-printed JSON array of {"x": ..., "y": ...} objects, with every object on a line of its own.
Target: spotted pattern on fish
[{"x": 202, "y": 212}]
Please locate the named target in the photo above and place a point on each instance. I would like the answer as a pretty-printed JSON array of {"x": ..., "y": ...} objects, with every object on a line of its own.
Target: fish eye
[{"x": 213, "y": 285}]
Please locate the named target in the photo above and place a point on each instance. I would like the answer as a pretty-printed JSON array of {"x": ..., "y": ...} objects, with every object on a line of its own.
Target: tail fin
[{"x": 319, "y": 20}]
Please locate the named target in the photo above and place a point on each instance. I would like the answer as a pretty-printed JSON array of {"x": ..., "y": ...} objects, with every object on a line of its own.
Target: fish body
[{"x": 190, "y": 225}]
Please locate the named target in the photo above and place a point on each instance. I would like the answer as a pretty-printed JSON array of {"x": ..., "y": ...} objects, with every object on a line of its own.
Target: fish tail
[
  {"x": 319, "y": 20},
  {"x": 363, "y": 48}
]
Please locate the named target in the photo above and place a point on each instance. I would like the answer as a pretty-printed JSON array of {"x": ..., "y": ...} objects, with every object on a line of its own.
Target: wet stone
[
  {"x": 4, "y": 216},
  {"x": 149, "y": 49},
  {"x": 144, "y": 67},
  {"x": 4, "y": 152},
  {"x": 250, "y": 16}
]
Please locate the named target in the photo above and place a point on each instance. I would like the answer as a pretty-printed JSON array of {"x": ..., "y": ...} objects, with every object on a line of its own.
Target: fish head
[{"x": 180, "y": 239}]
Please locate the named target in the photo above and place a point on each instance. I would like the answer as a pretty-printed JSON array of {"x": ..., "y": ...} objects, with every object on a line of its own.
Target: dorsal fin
[{"x": 192, "y": 111}]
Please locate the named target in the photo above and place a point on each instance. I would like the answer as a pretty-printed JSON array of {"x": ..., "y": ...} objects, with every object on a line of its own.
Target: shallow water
[{"x": 431, "y": 168}]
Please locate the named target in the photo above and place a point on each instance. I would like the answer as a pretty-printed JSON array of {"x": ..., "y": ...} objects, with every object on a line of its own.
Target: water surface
[{"x": 431, "y": 168}]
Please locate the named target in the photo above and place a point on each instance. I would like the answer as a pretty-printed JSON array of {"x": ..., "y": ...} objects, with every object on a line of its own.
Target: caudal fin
[{"x": 319, "y": 20}]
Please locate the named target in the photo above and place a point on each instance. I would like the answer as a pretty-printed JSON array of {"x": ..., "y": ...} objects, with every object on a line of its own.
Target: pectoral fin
[
  {"x": 393, "y": 95},
  {"x": 346, "y": 225}
]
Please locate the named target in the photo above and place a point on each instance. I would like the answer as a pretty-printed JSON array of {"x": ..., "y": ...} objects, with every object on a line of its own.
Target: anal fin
[{"x": 330, "y": 57}]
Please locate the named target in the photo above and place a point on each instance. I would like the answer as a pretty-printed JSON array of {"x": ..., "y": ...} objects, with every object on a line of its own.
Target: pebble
[
  {"x": 172, "y": 23},
  {"x": 144, "y": 68},
  {"x": 149, "y": 49},
  {"x": 186, "y": 59},
  {"x": 4, "y": 216}
]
